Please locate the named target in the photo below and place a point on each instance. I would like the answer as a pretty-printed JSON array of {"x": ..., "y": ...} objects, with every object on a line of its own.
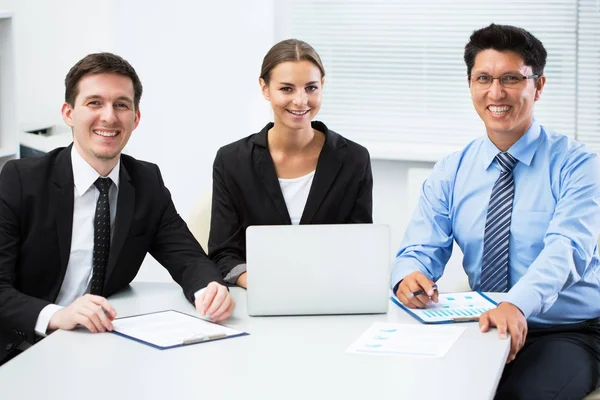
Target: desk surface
[{"x": 283, "y": 357}]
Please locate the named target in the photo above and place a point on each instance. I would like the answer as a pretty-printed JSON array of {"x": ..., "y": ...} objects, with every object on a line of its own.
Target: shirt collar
[
  {"x": 84, "y": 175},
  {"x": 523, "y": 149}
]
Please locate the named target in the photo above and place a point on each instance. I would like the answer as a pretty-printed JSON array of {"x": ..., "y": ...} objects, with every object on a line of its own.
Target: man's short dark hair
[
  {"x": 507, "y": 38},
  {"x": 101, "y": 63}
]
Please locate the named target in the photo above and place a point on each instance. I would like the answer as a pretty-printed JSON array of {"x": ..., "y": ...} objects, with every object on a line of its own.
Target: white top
[
  {"x": 295, "y": 193},
  {"x": 80, "y": 266}
]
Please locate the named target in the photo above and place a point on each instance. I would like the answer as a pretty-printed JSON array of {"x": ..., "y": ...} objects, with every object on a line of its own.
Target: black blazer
[
  {"x": 36, "y": 218},
  {"x": 246, "y": 191}
]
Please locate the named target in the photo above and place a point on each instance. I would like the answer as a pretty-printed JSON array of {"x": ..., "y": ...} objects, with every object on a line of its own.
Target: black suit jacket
[
  {"x": 36, "y": 218},
  {"x": 246, "y": 191}
]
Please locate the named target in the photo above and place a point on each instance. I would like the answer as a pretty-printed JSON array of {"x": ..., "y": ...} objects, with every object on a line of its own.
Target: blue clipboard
[
  {"x": 453, "y": 308},
  {"x": 193, "y": 339}
]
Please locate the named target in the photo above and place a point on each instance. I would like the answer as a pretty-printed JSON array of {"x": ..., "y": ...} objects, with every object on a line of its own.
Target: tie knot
[
  {"x": 506, "y": 161},
  {"x": 103, "y": 184}
]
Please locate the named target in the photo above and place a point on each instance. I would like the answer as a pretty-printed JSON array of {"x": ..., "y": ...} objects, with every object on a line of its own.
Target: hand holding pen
[
  {"x": 422, "y": 291},
  {"x": 416, "y": 290}
]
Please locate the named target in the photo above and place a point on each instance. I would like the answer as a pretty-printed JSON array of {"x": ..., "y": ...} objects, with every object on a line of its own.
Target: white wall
[
  {"x": 199, "y": 64},
  {"x": 50, "y": 36}
]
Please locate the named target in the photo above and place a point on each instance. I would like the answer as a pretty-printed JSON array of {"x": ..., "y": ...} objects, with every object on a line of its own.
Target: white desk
[{"x": 282, "y": 358}]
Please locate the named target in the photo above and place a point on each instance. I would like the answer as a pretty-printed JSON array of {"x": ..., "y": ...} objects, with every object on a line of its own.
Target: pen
[
  {"x": 419, "y": 292},
  {"x": 203, "y": 338},
  {"x": 465, "y": 319}
]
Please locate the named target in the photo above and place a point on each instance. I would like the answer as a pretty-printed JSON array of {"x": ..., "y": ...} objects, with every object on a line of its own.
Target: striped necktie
[{"x": 494, "y": 263}]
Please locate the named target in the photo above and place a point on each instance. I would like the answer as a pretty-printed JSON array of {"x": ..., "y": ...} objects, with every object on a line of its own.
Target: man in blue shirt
[{"x": 523, "y": 203}]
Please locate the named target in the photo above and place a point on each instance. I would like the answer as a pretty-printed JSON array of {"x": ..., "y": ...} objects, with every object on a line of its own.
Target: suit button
[{"x": 9, "y": 346}]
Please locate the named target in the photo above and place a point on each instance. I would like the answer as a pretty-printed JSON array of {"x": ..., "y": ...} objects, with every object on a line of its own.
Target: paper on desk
[
  {"x": 451, "y": 306},
  {"x": 384, "y": 338},
  {"x": 169, "y": 328}
]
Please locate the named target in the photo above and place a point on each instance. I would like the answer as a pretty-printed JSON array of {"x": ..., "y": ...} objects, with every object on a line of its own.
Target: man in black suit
[{"x": 76, "y": 224}]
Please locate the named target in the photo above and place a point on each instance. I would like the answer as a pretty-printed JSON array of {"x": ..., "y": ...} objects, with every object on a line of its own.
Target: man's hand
[
  {"x": 93, "y": 312},
  {"x": 241, "y": 280},
  {"x": 216, "y": 302},
  {"x": 412, "y": 283},
  {"x": 506, "y": 317}
]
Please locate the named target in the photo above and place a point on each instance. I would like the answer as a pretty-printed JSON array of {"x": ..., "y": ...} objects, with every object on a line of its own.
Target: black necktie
[{"x": 101, "y": 236}]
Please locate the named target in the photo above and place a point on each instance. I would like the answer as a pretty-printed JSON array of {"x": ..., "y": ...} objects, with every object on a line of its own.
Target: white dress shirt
[
  {"x": 80, "y": 266},
  {"x": 295, "y": 193}
]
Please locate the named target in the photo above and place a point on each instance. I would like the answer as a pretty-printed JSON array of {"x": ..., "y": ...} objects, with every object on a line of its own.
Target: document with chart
[
  {"x": 392, "y": 339},
  {"x": 168, "y": 329},
  {"x": 452, "y": 307}
]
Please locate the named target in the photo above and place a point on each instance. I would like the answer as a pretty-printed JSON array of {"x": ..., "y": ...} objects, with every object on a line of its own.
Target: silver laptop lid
[{"x": 318, "y": 269}]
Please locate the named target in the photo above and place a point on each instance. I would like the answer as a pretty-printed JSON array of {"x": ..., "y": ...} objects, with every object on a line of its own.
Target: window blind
[
  {"x": 588, "y": 73},
  {"x": 395, "y": 77}
]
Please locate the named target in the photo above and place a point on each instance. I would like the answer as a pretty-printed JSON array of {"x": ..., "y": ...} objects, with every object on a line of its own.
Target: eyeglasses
[{"x": 507, "y": 80}]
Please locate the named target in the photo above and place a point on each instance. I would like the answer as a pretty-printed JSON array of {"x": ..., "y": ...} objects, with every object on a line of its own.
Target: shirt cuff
[
  {"x": 235, "y": 273},
  {"x": 41, "y": 325},
  {"x": 198, "y": 294},
  {"x": 526, "y": 299}
]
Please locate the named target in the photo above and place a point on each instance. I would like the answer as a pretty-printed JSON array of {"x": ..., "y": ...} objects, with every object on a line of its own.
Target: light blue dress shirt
[{"x": 554, "y": 275}]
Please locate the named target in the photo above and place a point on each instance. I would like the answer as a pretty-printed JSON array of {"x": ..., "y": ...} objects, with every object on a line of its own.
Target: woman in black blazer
[{"x": 294, "y": 170}]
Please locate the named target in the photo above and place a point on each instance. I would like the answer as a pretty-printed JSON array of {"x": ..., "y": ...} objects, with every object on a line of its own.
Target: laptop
[{"x": 318, "y": 269}]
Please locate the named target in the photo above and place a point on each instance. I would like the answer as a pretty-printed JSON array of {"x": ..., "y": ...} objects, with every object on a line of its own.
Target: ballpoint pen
[
  {"x": 473, "y": 318},
  {"x": 419, "y": 292},
  {"x": 203, "y": 338}
]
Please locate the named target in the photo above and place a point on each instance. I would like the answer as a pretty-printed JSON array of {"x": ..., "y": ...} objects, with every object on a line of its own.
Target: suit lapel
[
  {"x": 328, "y": 166},
  {"x": 125, "y": 209},
  {"x": 61, "y": 200},
  {"x": 265, "y": 169}
]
